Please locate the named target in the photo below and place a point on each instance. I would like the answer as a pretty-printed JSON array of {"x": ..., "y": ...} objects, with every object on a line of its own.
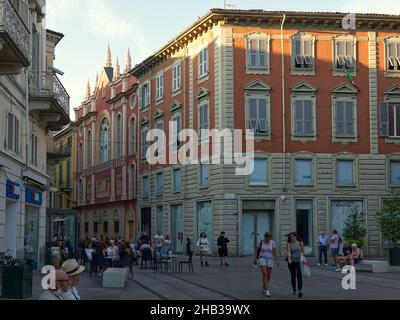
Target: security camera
[{"x": 55, "y": 70}]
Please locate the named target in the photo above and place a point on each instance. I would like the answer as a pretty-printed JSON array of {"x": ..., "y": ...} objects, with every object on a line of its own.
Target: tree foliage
[
  {"x": 354, "y": 227},
  {"x": 389, "y": 220}
]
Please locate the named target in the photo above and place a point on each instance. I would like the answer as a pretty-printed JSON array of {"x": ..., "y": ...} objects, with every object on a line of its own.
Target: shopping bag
[{"x": 305, "y": 268}]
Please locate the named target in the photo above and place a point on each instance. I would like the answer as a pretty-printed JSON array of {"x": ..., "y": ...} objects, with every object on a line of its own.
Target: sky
[{"x": 145, "y": 26}]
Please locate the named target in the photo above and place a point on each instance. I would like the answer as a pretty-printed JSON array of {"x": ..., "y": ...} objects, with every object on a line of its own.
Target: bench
[
  {"x": 115, "y": 278},
  {"x": 378, "y": 266}
]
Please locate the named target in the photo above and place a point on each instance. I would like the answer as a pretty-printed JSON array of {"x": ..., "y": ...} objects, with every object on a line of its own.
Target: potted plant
[
  {"x": 354, "y": 230},
  {"x": 389, "y": 221}
]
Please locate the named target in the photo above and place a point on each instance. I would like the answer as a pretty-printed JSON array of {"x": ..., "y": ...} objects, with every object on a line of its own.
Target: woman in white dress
[{"x": 203, "y": 245}]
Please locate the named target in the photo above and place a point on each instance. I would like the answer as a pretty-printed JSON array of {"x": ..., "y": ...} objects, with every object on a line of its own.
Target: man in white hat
[
  {"x": 73, "y": 270},
  {"x": 61, "y": 287}
]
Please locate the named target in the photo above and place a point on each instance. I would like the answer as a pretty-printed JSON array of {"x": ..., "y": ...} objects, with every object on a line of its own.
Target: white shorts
[{"x": 269, "y": 263}]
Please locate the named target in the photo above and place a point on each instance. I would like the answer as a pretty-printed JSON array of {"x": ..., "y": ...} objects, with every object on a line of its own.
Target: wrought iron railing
[
  {"x": 47, "y": 85},
  {"x": 12, "y": 24}
]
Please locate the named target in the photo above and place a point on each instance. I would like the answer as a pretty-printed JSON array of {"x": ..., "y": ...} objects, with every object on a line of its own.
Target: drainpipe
[
  {"x": 283, "y": 108},
  {"x": 26, "y": 118},
  {"x": 185, "y": 54}
]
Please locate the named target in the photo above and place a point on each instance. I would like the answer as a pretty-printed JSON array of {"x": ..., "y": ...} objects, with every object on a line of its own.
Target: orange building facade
[{"x": 324, "y": 146}]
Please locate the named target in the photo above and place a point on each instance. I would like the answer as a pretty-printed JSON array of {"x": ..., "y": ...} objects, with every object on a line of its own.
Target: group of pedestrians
[
  {"x": 266, "y": 257},
  {"x": 203, "y": 247},
  {"x": 351, "y": 254}
]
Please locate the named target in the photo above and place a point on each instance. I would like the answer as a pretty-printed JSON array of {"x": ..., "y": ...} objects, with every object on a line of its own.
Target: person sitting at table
[{"x": 344, "y": 259}]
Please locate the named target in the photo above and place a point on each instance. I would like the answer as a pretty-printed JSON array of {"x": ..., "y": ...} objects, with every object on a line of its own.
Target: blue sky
[{"x": 145, "y": 26}]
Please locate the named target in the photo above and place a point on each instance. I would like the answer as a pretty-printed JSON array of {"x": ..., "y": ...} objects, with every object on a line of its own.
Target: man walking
[
  {"x": 222, "y": 244},
  {"x": 323, "y": 242}
]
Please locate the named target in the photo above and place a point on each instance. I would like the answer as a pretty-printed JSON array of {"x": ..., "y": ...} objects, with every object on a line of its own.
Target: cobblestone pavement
[{"x": 239, "y": 281}]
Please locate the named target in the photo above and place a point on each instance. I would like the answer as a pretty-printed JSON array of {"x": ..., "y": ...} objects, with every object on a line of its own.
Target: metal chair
[
  {"x": 188, "y": 262},
  {"x": 158, "y": 261},
  {"x": 146, "y": 256}
]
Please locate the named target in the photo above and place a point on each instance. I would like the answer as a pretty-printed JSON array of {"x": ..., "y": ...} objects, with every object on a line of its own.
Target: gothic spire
[
  {"x": 128, "y": 61},
  {"x": 108, "y": 63}
]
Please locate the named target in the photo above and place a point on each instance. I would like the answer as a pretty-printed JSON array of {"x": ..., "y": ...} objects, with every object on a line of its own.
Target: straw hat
[{"x": 72, "y": 268}]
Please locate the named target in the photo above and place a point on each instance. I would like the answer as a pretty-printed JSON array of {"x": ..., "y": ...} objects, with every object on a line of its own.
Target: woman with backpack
[
  {"x": 264, "y": 258},
  {"x": 295, "y": 250}
]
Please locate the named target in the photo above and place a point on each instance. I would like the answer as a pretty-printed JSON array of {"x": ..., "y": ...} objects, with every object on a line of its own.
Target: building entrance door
[
  {"x": 254, "y": 225},
  {"x": 131, "y": 230},
  {"x": 146, "y": 221}
]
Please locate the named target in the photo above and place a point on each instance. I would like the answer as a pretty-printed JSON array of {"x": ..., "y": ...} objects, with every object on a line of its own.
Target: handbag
[
  {"x": 259, "y": 250},
  {"x": 305, "y": 267}
]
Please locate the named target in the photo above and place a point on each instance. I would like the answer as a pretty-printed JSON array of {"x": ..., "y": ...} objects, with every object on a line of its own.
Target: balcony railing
[
  {"x": 13, "y": 26},
  {"x": 47, "y": 85}
]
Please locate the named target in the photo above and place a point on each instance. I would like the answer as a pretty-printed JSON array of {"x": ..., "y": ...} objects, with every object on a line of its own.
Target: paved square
[{"x": 239, "y": 281}]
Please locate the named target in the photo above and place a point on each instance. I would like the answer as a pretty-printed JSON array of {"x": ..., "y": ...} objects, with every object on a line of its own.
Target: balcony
[
  {"x": 56, "y": 152},
  {"x": 14, "y": 40},
  {"x": 49, "y": 98}
]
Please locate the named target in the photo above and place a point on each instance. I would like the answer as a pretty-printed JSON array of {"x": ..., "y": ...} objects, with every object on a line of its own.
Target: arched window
[
  {"x": 89, "y": 149},
  {"x": 104, "y": 141},
  {"x": 132, "y": 136},
  {"x": 132, "y": 181},
  {"x": 119, "y": 137},
  {"x": 81, "y": 157}
]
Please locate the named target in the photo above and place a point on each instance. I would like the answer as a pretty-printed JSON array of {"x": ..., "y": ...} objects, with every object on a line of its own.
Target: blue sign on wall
[
  {"x": 12, "y": 190},
  {"x": 33, "y": 196}
]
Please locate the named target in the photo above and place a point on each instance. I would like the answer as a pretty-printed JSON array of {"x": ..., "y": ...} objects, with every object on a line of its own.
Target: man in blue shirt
[{"x": 323, "y": 242}]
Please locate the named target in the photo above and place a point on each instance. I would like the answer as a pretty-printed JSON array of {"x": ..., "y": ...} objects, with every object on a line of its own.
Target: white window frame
[
  {"x": 304, "y": 136},
  {"x": 174, "y": 190},
  {"x": 177, "y": 77},
  {"x": 143, "y": 142},
  {"x": 202, "y": 165},
  {"x": 354, "y": 172},
  {"x": 203, "y": 62},
  {"x": 393, "y": 161},
  {"x": 144, "y": 194},
  {"x": 160, "y": 125},
  {"x": 258, "y": 130},
  {"x": 34, "y": 149},
  {"x": 13, "y": 141},
  {"x": 145, "y": 95},
  {"x": 159, "y": 174},
  {"x": 205, "y": 126},
  {"x": 175, "y": 145},
  {"x": 345, "y": 100},
  {"x": 312, "y": 181},
  {"x": 349, "y": 59},
  {"x": 159, "y": 86},
  {"x": 258, "y": 68},
  {"x": 305, "y": 59},
  {"x": 267, "y": 171},
  {"x": 396, "y": 41}
]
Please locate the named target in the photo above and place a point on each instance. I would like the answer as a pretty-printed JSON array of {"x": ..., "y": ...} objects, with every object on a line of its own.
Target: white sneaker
[
  {"x": 319, "y": 264},
  {"x": 338, "y": 269},
  {"x": 326, "y": 264},
  {"x": 267, "y": 293}
]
